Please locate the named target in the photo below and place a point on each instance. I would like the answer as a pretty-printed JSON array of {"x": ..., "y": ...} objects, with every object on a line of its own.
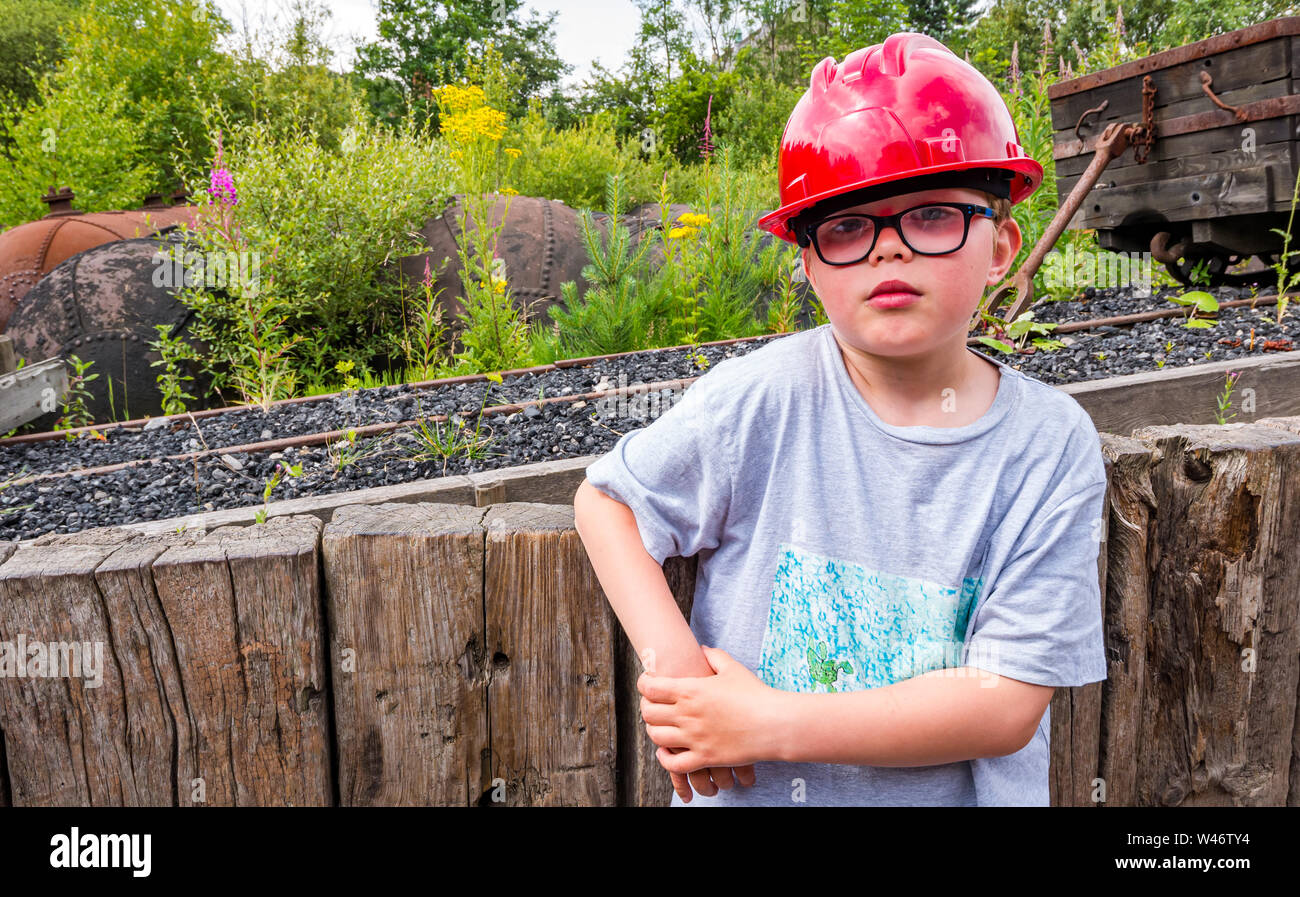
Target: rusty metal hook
[
  {"x": 1206, "y": 81},
  {"x": 1092, "y": 111}
]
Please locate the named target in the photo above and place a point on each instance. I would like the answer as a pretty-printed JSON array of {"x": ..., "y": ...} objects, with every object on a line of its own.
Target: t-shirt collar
[{"x": 1005, "y": 399}]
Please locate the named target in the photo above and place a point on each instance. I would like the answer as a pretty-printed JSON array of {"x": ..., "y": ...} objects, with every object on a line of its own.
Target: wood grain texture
[
  {"x": 1075, "y": 733},
  {"x": 1290, "y": 425},
  {"x": 1267, "y": 61},
  {"x": 1128, "y": 584},
  {"x": 6, "y": 549},
  {"x": 4, "y": 773},
  {"x": 84, "y": 740},
  {"x": 550, "y": 634},
  {"x": 642, "y": 781},
  {"x": 1223, "y": 648},
  {"x": 245, "y": 611},
  {"x": 1186, "y": 395},
  {"x": 405, "y": 603}
]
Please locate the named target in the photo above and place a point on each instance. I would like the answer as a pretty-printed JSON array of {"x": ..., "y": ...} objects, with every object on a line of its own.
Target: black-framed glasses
[{"x": 935, "y": 228}]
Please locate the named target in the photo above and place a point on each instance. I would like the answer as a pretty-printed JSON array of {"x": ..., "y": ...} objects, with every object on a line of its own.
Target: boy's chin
[{"x": 883, "y": 339}]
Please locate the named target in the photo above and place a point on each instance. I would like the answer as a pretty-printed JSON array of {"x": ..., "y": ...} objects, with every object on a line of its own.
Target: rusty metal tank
[
  {"x": 101, "y": 305},
  {"x": 541, "y": 243},
  {"x": 30, "y": 251}
]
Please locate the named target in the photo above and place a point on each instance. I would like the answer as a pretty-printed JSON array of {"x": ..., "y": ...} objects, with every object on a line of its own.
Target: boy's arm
[
  {"x": 635, "y": 586},
  {"x": 1041, "y": 621},
  {"x": 637, "y": 591},
  {"x": 941, "y": 717}
]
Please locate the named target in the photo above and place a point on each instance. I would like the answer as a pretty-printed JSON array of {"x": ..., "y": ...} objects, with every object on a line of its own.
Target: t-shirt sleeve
[
  {"x": 675, "y": 474},
  {"x": 1042, "y": 621}
]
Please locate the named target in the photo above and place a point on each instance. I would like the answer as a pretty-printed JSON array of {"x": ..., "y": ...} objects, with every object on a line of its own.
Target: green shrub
[
  {"x": 617, "y": 313},
  {"x": 76, "y": 133},
  {"x": 700, "y": 277},
  {"x": 320, "y": 226}
]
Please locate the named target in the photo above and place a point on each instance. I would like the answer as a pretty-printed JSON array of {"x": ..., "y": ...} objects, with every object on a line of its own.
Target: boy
[{"x": 898, "y": 537}]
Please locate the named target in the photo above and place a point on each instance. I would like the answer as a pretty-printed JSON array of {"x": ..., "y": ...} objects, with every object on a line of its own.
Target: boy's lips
[
  {"x": 893, "y": 294},
  {"x": 892, "y": 286}
]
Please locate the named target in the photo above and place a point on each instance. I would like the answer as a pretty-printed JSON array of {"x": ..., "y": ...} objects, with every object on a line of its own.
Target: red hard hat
[{"x": 905, "y": 109}]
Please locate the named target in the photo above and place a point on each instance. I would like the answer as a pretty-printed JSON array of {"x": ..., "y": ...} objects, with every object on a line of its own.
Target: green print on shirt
[
  {"x": 837, "y": 626},
  {"x": 823, "y": 670}
]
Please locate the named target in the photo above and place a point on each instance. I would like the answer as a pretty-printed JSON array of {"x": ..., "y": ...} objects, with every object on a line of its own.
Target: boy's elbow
[
  {"x": 580, "y": 503},
  {"x": 584, "y": 500},
  {"x": 1031, "y": 703}
]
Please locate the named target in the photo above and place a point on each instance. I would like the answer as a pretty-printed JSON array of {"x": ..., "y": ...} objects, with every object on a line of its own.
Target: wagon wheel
[
  {"x": 1271, "y": 259},
  {"x": 1216, "y": 269}
]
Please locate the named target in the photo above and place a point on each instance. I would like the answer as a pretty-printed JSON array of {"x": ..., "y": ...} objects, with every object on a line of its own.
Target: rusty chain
[{"x": 1142, "y": 146}]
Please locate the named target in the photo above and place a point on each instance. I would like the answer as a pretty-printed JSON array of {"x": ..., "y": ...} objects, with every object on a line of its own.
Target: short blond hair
[{"x": 1001, "y": 208}]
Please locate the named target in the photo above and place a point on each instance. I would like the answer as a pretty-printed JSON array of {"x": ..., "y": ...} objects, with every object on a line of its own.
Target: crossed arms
[{"x": 717, "y": 714}]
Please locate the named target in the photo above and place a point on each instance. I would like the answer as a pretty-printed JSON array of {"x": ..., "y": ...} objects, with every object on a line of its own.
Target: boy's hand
[
  {"x": 705, "y": 780},
  {"x": 728, "y": 719}
]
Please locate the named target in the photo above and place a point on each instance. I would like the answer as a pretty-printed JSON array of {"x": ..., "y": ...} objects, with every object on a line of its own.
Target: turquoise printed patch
[{"x": 837, "y": 626}]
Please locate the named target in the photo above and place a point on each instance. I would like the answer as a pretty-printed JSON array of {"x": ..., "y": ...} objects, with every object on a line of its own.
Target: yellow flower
[
  {"x": 509, "y": 191},
  {"x": 512, "y": 152},
  {"x": 455, "y": 98},
  {"x": 677, "y": 232},
  {"x": 694, "y": 220},
  {"x": 466, "y": 117}
]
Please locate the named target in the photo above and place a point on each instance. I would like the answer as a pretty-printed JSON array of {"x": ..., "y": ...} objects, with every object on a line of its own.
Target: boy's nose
[{"x": 889, "y": 242}]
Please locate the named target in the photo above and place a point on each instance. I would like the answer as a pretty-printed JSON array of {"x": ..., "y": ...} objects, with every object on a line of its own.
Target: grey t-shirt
[{"x": 837, "y": 551}]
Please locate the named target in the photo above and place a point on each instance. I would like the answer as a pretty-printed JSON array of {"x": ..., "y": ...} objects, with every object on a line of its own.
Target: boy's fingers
[
  {"x": 658, "y": 714},
  {"x": 682, "y": 787},
  {"x": 722, "y": 777},
  {"x": 669, "y": 759},
  {"x": 703, "y": 783},
  {"x": 745, "y": 775},
  {"x": 656, "y": 688},
  {"x": 666, "y": 736}
]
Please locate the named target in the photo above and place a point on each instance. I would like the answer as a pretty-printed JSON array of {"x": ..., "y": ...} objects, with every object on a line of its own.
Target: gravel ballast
[{"x": 164, "y": 489}]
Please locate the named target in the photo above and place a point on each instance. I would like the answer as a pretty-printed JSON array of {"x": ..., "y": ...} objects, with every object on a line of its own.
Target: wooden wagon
[{"x": 1213, "y": 158}]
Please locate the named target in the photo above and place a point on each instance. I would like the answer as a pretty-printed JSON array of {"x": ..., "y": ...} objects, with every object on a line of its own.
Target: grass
[
  {"x": 281, "y": 468},
  {"x": 432, "y": 444},
  {"x": 6, "y": 483},
  {"x": 343, "y": 452}
]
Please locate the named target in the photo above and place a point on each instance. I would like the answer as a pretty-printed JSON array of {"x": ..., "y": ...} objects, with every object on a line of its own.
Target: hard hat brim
[{"x": 1026, "y": 176}]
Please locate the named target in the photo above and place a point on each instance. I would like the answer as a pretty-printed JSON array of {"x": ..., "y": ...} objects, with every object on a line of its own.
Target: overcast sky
[{"x": 585, "y": 30}]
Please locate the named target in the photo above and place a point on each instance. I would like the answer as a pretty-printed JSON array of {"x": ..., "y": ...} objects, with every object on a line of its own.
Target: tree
[
  {"x": 722, "y": 23},
  {"x": 430, "y": 42},
  {"x": 663, "y": 38},
  {"x": 29, "y": 40},
  {"x": 699, "y": 91},
  {"x": 947, "y": 21},
  {"x": 284, "y": 80}
]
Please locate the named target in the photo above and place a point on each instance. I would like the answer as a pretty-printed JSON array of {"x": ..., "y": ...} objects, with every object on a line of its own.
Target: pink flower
[{"x": 222, "y": 187}]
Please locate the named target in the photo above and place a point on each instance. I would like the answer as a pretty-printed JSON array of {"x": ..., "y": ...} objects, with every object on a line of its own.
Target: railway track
[
  {"x": 213, "y": 459},
  {"x": 176, "y": 422}
]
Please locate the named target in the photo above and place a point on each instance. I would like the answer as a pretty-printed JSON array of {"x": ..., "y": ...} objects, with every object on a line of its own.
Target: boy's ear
[
  {"x": 807, "y": 270},
  {"x": 1006, "y": 244}
]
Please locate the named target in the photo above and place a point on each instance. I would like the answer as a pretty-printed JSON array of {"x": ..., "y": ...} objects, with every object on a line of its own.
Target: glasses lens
[
  {"x": 845, "y": 239},
  {"x": 934, "y": 228}
]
